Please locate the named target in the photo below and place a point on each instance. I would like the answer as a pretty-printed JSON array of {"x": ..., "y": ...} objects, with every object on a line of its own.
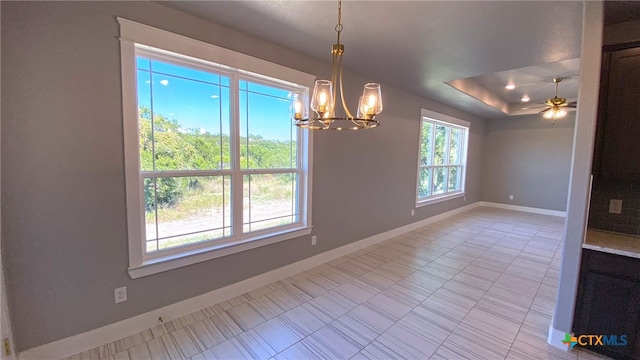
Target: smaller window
[{"x": 442, "y": 160}]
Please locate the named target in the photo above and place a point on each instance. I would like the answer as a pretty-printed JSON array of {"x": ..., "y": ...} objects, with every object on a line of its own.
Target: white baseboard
[
  {"x": 523, "y": 208},
  {"x": 556, "y": 337},
  {"x": 90, "y": 339}
]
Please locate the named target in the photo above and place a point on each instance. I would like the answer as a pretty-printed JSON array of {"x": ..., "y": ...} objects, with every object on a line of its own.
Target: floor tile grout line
[
  {"x": 560, "y": 242},
  {"x": 534, "y": 297},
  {"x": 443, "y": 228},
  {"x": 380, "y": 292},
  {"x": 483, "y": 296},
  {"x": 433, "y": 292}
]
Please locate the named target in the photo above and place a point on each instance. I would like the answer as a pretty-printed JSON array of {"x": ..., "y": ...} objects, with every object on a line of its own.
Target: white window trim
[
  {"x": 132, "y": 33},
  {"x": 447, "y": 120}
]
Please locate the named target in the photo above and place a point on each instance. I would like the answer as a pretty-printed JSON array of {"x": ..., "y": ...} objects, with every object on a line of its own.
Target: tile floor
[{"x": 479, "y": 285}]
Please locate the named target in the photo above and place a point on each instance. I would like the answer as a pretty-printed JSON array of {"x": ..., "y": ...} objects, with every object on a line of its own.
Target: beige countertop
[{"x": 614, "y": 243}]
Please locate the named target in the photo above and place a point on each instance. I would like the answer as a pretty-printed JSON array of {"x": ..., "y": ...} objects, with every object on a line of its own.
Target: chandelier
[{"x": 323, "y": 100}]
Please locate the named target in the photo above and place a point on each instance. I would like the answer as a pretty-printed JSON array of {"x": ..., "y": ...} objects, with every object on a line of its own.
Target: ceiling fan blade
[
  {"x": 545, "y": 110},
  {"x": 572, "y": 104}
]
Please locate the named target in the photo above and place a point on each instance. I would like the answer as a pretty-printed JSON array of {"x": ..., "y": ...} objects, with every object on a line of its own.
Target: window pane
[
  {"x": 144, "y": 119},
  {"x": 441, "y": 142},
  {"x": 424, "y": 183},
  {"x": 142, "y": 63},
  {"x": 166, "y": 68},
  {"x": 269, "y": 200},
  {"x": 150, "y": 209},
  {"x": 225, "y": 123},
  {"x": 454, "y": 179},
  {"x": 187, "y": 123},
  {"x": 455, "y": 148},
  {"x": 188, "y": 210},
  {"x": 184, "y": 118},
  {"x": 268, "y": 137},
  {"x": 439, "y": 180},
  {"x": 180, "y": 240},
  {"x": 426, "y": 153}
]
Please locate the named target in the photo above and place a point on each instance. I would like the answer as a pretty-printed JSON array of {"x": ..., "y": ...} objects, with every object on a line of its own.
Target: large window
[
  {"x": 214, "y": 163},
  {"x": 442, "y": 158}
]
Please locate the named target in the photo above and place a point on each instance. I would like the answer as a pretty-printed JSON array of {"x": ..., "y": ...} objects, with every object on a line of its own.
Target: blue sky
[{"x": 199, "y": 100}]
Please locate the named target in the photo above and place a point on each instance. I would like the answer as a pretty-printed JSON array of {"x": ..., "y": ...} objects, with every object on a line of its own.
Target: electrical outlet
[
  {"x": 121, "y": 294},
  {"x": 314, "y": 240},
  {"x": 615, "y": 206},
  {"x": 510, "y": 197},
  {"x": 6, "y": 345},
  {"x": 413, "y": 212}
]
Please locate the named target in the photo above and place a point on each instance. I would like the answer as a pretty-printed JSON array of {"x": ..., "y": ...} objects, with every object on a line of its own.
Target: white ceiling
[{"x": 419, "y": 46}]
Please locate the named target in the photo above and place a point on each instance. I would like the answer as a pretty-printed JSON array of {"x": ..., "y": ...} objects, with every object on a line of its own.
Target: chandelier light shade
[
  {"x": 298, "y": 107},
  {"x": 323, "y": 100},
  {"x": 371, "y": 101}
]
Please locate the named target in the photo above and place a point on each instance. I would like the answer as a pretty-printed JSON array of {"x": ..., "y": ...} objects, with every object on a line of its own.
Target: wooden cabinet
[
  {"x": 608, "y": 302},
  {"x": 617, "y": 155}
]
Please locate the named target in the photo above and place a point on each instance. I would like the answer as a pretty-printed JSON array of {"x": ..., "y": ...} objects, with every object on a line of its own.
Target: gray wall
[
  {"x": 63, "y": 197},
  {"x": 530, "y": 158}
]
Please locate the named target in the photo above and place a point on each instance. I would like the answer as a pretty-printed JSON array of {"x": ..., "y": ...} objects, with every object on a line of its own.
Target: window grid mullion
[
  {"x": 236, "y": 177},
  {"x": 220, "y": 123},
  {"x": 153, "y": 128},
  {"x": 155, "y": 213},
  {"x": 447, "y": 150},
  {"x": 153, "y": 159},
  {"x": 433, "y": 156},
  {"x": 184, "y": 173}
]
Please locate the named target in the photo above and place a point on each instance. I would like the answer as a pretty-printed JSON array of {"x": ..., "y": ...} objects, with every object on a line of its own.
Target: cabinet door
[
  {"x": 609, "y": 305},
  {"x": 620, "y": 147}
]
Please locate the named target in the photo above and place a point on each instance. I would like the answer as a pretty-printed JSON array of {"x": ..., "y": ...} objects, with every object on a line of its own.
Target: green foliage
[
  {"x": 164, "y": 145},
  {"x": 432, "y": 181},
  {"x": 167, "y": 192}
]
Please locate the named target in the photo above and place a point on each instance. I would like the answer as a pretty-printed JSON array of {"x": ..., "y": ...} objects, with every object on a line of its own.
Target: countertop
[{"x": 614, "y": 243}]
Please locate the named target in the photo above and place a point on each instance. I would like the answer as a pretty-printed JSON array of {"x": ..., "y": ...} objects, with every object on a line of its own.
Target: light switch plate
[{"x": 121, "y": 294}]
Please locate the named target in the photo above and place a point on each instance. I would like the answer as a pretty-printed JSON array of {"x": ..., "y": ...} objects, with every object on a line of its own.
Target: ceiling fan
[{"x": 556, "y": 105}]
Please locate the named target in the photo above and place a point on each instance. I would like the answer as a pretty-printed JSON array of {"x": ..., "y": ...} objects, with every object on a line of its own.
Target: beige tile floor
[{"x": 479, "y": 285}]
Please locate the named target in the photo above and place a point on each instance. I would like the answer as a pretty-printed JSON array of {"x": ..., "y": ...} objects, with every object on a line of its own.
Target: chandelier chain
[{"x": 338, "y": 27}]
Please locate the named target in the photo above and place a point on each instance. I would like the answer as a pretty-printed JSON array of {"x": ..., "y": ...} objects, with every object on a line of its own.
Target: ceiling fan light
[
  {"x": 556, "y": 110},
  {"x": 555, "y": 113}
]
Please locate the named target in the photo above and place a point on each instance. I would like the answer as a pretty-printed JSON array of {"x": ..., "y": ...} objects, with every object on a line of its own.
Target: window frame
[
  {"x": 436, "y": 118},
  {"x": 135, "y": 35}
]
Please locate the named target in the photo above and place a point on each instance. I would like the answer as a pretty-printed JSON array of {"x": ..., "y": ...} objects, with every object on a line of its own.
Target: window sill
[
  {"x": 437, "y": 199},
  {"x": 174, "y": 261}
]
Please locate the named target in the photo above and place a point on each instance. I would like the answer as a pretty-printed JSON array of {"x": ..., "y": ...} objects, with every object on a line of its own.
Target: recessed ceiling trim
[
  {"x": 480, "y": 93},
  {"x": 532, "y": 82}
]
